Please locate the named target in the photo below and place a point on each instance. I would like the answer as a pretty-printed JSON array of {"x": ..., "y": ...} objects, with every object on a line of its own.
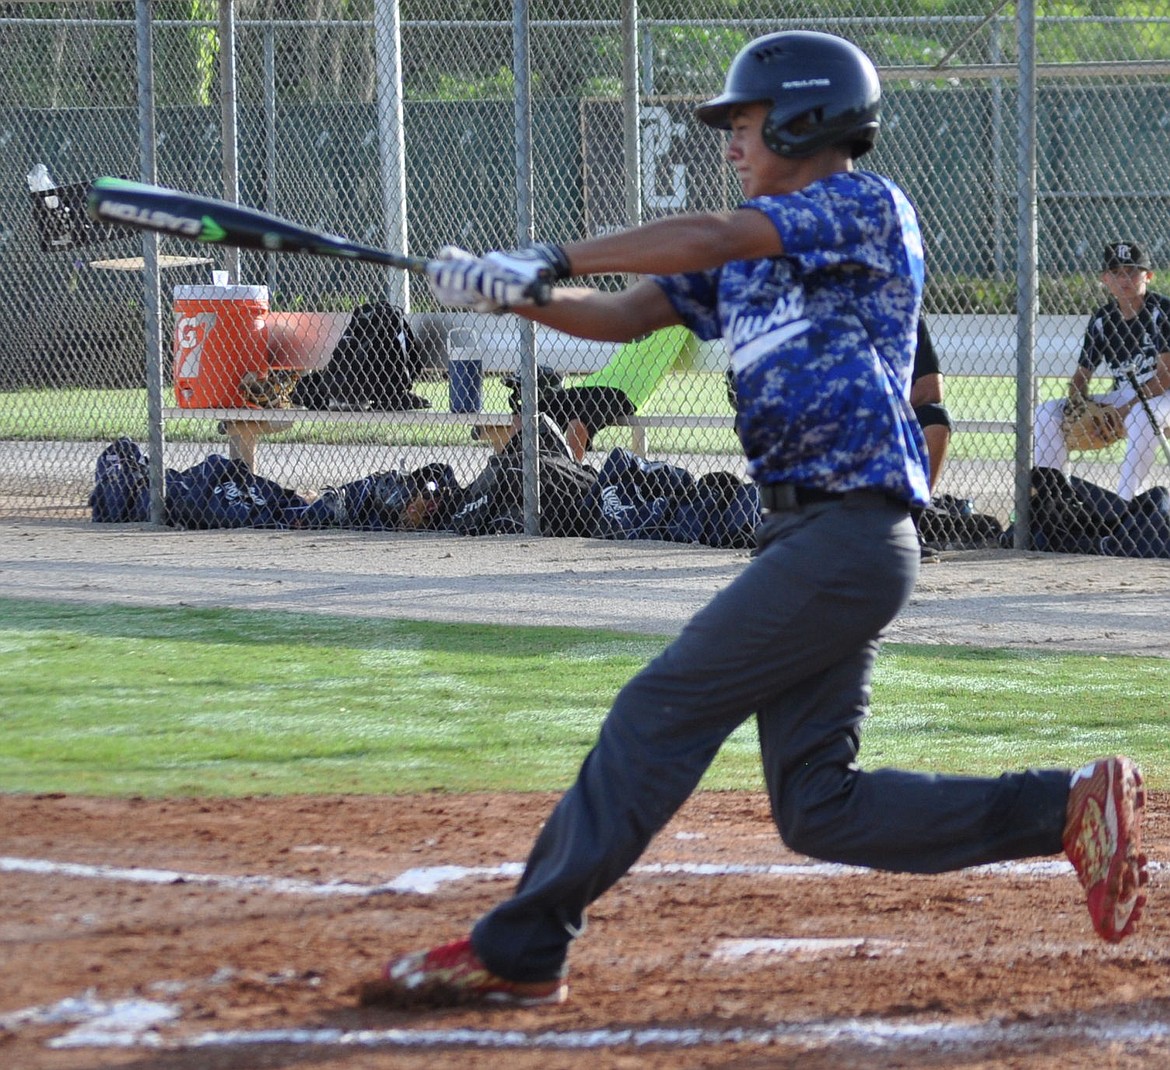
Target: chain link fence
[{"x": 418, "y": 126}]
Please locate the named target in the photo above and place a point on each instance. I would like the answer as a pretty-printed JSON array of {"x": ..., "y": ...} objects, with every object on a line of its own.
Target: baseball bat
[
  {"x": 1149, "y": 415},
  {"x": 204, "y": 219}
]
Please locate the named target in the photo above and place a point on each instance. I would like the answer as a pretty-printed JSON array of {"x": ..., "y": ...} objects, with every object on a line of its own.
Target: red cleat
[
  {"x": 1102, "y": 838},
  {"x": 450, "y": 976}
]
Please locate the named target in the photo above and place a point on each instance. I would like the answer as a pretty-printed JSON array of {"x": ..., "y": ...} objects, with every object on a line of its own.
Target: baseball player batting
[{"x": 814, "y": 282}]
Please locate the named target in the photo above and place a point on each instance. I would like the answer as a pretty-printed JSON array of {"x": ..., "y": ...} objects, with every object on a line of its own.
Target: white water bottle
[{"x": 39, "y": 180}]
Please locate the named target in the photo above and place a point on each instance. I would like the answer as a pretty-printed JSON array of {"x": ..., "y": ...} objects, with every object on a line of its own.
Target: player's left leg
[{"x": 1142, "y": 447}]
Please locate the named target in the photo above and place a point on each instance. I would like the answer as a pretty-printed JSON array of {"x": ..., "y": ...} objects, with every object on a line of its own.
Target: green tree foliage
[{"x": 457, "y": 49}]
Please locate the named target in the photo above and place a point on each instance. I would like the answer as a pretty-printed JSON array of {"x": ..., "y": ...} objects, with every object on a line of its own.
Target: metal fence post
[
  {"x": 1027, "y": 306},
  {"x": 391, "y": 141},
  {"x": 229, "y": 124},
  {"x": 521, "y": 65},
  {"x": 152, "y": 285}
]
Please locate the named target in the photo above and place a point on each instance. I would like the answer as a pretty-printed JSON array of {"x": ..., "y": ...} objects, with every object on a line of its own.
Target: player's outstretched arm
[
  {"x": 602, "y": 316},
  {"x": 522, "y": 280},
  {"x": 461, "y": 280},
  {"x": 666, "y": 247},
  {"x": 681, "y": 243}
]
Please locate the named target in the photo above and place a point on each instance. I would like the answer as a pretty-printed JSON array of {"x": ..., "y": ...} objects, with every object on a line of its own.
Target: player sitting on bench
[{"x": 607, "y": 396}]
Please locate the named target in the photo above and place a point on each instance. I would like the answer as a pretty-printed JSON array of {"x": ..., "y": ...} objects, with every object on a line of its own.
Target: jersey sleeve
[
  {"x": 695, "y": 297},
  {"x": 925, "y": 358}
]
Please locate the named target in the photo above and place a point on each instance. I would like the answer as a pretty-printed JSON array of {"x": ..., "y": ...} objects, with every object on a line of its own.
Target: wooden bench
[{"x": 304, "y": 341}]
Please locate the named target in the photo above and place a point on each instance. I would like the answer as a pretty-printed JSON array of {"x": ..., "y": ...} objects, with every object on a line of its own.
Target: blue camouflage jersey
[{"x": 822, "y": 338}]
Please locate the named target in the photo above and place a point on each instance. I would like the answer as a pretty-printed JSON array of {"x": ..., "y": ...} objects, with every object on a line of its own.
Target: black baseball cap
[{"x": 1126, "y": 254}]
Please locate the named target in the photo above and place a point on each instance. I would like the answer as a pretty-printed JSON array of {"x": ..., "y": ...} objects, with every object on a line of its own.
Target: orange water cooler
[{"x": 221, "y": 334}]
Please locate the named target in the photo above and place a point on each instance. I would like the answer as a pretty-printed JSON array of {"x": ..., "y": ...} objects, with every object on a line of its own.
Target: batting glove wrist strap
[
  {"x": 543, "y": 261},
  {"x": 534, "y": 268}
]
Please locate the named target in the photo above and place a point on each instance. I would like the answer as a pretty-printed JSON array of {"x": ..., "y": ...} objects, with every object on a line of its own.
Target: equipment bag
[
  {"x": 436, "y": 495},
  {"x": 1144, "y": 531},
  {"x": 373, "y": 368},
  {"x": 493, "y": 503},
  {"x": 723, "y": 512},
  {"x": 635, "y": 498},
  {"x": 121, "y": 492},
  {"x": 1071, "y": 515},
  {"x": 222, "y": 493},
  {"x": 566, "y": 507},
  {"x": 375, "y": 502},
  {"x": 950, "y": 523}
]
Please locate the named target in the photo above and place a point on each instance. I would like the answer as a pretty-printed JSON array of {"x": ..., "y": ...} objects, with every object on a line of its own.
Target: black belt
[
  {"x": 788, "y": 497},
  {"x": 785, "y": 497}
]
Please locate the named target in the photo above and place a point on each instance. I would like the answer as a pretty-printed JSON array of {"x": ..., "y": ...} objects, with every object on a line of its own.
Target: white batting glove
[
  {"x": 461, "y": 280},
  {"x": 455, "y": 277},
  {"x": 534, "y": 268}
]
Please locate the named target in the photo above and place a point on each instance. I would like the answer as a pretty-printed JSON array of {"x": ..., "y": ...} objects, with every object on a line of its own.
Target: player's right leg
[{"x": 1051, "y": 451}]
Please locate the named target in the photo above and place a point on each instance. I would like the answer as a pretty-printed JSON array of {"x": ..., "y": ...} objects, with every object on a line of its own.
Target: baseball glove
[
  {"x": 272, "y": 391},
  {"x": 1089, "y": 425}
]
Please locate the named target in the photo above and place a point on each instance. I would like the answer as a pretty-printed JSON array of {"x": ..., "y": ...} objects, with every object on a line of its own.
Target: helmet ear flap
[
  {"x": 782, "y": 131},
  {"x": 770, "y": 133}
]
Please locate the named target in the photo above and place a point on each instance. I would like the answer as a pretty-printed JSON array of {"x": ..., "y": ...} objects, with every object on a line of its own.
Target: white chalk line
[
  {"x": 803, "y": 947},
  {"x": 137, "y": 875},
  {"x": 426, "y": 880},
  {"x": 136, "y": 1023},
  {"x": 867, "y": 1033}
]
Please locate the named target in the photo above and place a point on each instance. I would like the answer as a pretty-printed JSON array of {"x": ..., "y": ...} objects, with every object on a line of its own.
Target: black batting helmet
[{"x": 823, "y": 90}]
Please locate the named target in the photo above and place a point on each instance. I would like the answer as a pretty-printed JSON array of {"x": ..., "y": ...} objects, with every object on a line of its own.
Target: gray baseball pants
[{"x": 792, "y": 640}]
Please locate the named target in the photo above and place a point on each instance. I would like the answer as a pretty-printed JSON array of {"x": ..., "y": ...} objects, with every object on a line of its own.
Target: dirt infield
[
  {"x": 212, "y": 934},
  {"x": 230, "y": 934}
]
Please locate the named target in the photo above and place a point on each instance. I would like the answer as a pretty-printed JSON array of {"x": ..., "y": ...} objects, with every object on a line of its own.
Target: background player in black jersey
[
  {"x": 1129, "y": 335},
  {"x": 926, "y": 399}
]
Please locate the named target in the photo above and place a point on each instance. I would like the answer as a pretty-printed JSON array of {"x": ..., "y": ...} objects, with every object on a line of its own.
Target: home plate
[{"x": 805, "y": 947}]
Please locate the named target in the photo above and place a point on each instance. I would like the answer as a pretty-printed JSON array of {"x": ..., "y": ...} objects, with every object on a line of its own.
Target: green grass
[
  {"x": 121, "y": 701},
  {"x": 72, "y": 415}
]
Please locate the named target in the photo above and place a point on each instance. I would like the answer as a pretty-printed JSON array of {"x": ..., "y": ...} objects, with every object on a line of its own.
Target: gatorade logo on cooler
[{"x": 190, "y": 337}]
